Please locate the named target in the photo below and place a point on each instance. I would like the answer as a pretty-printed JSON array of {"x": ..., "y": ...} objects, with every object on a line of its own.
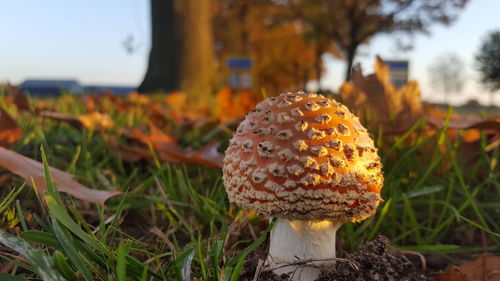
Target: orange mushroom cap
[{"x": 303, "y": 156}]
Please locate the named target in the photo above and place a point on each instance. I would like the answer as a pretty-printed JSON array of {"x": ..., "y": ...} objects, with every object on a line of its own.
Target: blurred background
[{"x": 200, "y": 46}]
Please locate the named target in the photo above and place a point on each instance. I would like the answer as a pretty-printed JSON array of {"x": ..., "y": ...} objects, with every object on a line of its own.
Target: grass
[{"x": 174, "y": 222}]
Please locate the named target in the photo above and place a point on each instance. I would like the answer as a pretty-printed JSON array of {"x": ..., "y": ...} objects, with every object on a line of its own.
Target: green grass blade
[
  {"x": 64, "y": 218},
  {"x": 121, "y": 262},
  {"x": 70, "y": 250},
  {"x": 40, "y": 237},
  {"x": 431, "y": 248},
  {"x": 10, "y": 197},
  {"x": 380, "y": 218},
  {"x": 8, "y": 277},
  {"x": 63, "y": 267},
  {"x": 41, "y": 262},
  {"x": 233, "y": 261}
]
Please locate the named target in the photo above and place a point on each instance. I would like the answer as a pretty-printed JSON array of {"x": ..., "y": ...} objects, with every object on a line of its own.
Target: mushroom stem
[{"x": 295, "y": 240}]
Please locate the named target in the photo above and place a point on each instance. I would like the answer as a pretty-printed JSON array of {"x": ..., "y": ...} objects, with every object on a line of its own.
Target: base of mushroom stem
[{"x": 293, "y": 241}]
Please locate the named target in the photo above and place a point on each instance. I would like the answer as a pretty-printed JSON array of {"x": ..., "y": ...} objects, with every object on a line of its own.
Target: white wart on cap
[{"x": 303, "y": 156}]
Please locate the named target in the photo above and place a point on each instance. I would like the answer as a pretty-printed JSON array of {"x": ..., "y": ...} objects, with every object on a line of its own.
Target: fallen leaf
[
  {"x": 28, "y": 169},
  {"x": 94, "y": 121},
  {"x": 245, "y": 102},
  {"x": 90, "y": 102},
  {"x": 137, "y": 98},
  {"x": 19, "y": 99},
  {"x": 167, "y": 149},
  {"x": 471, "y": 122},
  {"x": 231, "y": 104},
  {"x": 484, "y": 268},
  {"x": 176, "y": 101},
  {"x": 471, "y": 135},
  {"x": 377, "y": 101},
  {"x": 105, "y": 102},
  {"x": 451, "y": 273},
  {"x": 9, "y": 130},
  {"x": 72, "y": 120}
]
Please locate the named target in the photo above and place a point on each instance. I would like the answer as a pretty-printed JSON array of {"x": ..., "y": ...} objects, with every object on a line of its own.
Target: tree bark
[
  {"x": 350, "y": 55},
  {"x": 317, "y": 64},
  {"x": 197, "y": 56},
  {"x": 181, "y": 55},
  {"x": 162, "y": 72}
]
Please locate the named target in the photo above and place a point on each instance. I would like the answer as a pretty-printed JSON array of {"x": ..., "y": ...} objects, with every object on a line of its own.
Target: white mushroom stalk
[{"x": 302, "y": 248}]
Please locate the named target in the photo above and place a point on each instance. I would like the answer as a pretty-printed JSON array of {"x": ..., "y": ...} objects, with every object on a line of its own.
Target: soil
[{"x": 375, "y": 261}]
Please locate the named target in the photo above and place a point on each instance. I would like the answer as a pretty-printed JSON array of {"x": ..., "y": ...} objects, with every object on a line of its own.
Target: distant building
[
  {"x": 116, "y": 90},
  {"x": 46, "y": 88},
  {"x": 398, "y": 72}
]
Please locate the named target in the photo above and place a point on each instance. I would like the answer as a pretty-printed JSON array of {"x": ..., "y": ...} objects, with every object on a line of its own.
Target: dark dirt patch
[{"x": 375, "y": 261}]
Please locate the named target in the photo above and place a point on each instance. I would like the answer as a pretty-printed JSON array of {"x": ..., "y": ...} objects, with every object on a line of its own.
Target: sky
[{"x": 84, "y": 40}]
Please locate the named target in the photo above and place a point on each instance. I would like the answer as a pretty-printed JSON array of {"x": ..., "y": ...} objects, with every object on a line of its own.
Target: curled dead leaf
[
  {"x": 94, "y": 121},
  {"x": 29, "y": 169},
  {"x": 19, "y": 99},
  {"x": 166, "y": 148},
  {"x": 377, "y": 101},
  {"x": 471, "y": 122},
  {"x": 169, "y": 151},
  {"x": 9, "y": 130},
  {"x": 451, "y": 273},
  {"x": 136, "y": 98},
  {"x": 231, "y": 104},
  {"x": 176, "y": 101},
  {"x": 484, "y": 268}
]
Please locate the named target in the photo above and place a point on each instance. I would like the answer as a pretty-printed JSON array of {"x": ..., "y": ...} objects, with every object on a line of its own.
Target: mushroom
[{"x": 316, "y": 169}]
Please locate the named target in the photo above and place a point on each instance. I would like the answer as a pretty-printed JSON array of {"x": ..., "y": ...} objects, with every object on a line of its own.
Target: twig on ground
[
  {"x": 258, "y": 270},
  {"x": 408, "y": 252},
  {"x": 306, "y": 261}
]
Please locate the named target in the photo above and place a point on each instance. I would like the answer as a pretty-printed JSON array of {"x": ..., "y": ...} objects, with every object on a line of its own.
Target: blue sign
[
  {"x": 397, "y": 65},
  {"x": 239, "y": 63}
]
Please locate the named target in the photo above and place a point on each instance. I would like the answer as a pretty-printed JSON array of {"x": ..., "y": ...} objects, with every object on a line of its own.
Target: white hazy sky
[{"x": 84, "y": 40}]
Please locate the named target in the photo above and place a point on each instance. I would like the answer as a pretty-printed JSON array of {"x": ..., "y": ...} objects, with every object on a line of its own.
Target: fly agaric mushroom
[{"x": 307, "y": 161}]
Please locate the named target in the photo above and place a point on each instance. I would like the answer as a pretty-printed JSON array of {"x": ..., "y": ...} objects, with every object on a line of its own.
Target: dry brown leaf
[
  {"x": 380, "y": 103},
  {"x": 471, "y": 122},
  {"x": 167, "y": 149},
  {"x": 484, "y": 268},
  {"x": 105, "y": 102},
  {"x": 94, "y": 121},
  {"x": 230, "y": 104},
  {"x": 90, "y": 102},
  {"x": 224, "y": 108},
  {"x": 19, "y": 99},
  {"x": 29, "y": 169},
  {"x": 9, "y": 130},
  {"x": 451, "y": 273},
  {"x": 72, "y": 120},
  {"x": 176, "y": 101},
  {"x": 471, "y": 135},
  {"x": 136, "y": 98}
]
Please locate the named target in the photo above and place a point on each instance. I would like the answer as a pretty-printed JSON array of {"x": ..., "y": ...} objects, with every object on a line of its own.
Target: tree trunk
[
  {"x": 196, "y": 38},
  {"x": 350, "y": 55},
  {"x": 181, "y": 55},
  {"x": 317, "y": 64},
  {"x": 162, "y": 72}
]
